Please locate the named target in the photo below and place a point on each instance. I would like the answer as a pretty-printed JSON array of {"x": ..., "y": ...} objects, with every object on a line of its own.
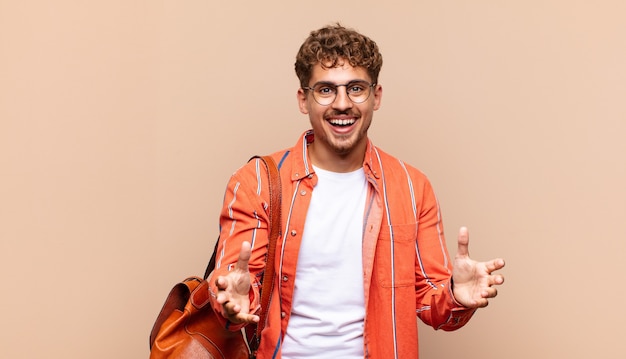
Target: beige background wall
[{"x": 117, "y": 125}]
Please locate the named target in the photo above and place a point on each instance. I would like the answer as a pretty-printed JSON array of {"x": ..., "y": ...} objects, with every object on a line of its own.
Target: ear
[
  {"x": 302, "y": 101},
  {"x": 378, "y": 96}
]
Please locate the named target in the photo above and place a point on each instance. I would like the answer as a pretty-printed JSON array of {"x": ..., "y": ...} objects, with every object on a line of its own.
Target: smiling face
[{"x": 340, "y": 128}]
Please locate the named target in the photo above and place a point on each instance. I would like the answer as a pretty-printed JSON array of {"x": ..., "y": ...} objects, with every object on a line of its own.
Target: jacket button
[
  {"x": 283, "y": 314},
  {"x": 303, "y": 192},
  {"x": 293, "y": 232},
  {"x": 285, "y": 278}
]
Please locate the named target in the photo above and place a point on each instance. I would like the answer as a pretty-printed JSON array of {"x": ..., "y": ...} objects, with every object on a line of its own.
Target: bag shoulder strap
[{"x": 275, "y": 226}]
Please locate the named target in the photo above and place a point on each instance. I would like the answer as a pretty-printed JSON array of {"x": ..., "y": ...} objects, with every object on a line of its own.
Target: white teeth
[{"x": 343, "y": 122}]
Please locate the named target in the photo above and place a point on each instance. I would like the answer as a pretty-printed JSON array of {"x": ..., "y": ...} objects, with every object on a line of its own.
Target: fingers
[
  {"x": 244, "y": 256},
  {"x": 491, "y": 266},
  {"x": 233, "y": 312},
  {"x": 233, "y": 289},
  {"x": 246, "y": 318},
  {"x": 222, "y": 295},
  {"x": 243, "y": 318},
  {"x": 498, "y": 279},
  {"x": 486, "y": 294},
  {"x": 490, "y": 292},
  {"x": 463, "y": 242},
  {"x": 221, "y": 283},
  {"x": 495, "y": 264}
]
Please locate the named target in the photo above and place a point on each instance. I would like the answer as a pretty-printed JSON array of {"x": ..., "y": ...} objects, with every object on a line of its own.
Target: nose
[{"x": 342, "y": 101}]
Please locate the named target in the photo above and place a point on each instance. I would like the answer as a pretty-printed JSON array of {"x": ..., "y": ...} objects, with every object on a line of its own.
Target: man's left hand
[{"x": 473, "y": 282}]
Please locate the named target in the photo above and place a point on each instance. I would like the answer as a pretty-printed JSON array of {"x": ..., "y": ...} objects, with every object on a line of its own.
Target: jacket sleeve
[
  {"x": 435, "y": 303},
  {"x": 243, "y": 217}
]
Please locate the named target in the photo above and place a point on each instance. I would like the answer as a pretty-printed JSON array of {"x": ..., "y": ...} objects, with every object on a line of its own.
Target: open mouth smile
[{"x": 342, "y": 122}]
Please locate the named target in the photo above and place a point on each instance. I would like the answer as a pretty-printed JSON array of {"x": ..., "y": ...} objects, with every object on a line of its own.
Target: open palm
[
  {"x": 473, "y": 282},
  {"x": 234, "y": 290}
]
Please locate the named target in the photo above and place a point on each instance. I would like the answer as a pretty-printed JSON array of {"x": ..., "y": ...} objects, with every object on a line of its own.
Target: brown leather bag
[{"x": 187, "y": 326}]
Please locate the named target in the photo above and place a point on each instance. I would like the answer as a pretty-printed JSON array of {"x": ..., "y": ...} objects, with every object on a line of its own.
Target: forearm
[
  {"x": 435, "y": 302},
  {"x": 243, "y": 219}
]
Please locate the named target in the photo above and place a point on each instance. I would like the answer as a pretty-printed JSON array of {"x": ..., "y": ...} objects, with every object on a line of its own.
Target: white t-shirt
[{"x": 328, "y": 303}]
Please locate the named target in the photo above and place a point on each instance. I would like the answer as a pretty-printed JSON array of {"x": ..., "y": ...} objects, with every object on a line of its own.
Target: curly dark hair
[{"x": 330, "y": 45}]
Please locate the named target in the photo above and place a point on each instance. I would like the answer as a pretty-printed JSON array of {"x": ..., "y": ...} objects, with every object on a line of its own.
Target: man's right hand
[{"x": 234, "y": 290}]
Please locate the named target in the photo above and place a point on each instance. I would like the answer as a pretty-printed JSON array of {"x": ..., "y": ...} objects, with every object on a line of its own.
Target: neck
[{"x": 337, "y": 162}]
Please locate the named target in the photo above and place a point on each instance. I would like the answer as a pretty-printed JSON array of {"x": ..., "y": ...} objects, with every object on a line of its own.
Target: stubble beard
[{"x": 344, "y": 145}]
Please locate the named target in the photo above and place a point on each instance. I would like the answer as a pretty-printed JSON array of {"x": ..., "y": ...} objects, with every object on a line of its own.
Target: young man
[{"x": 362, "y": 252}]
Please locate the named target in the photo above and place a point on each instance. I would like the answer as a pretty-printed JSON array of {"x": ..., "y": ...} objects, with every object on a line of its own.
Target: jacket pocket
[{"x": 395, "y": 255}]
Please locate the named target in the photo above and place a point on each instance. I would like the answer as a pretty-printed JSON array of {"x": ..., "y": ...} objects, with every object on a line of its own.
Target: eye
[
  {"x": 325, "y": 90},
  {"x": 356, "y": 88}
]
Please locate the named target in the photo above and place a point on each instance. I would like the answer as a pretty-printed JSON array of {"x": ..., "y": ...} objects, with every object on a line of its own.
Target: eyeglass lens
[{"x": 326, "y": 93}]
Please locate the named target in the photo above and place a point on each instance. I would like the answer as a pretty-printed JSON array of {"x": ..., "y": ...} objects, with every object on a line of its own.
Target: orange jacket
[{"x": 407, "y": 270}]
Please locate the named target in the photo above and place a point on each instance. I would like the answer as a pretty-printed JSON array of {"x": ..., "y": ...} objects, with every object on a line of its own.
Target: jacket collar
[{"x": 302, "y": 166}]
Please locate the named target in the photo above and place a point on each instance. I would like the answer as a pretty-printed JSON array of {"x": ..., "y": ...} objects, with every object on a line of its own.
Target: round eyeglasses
[{"x": 325, "y": 93}]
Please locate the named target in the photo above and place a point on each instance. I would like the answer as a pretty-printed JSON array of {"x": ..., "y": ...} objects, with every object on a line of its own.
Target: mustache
[{"x": 335, "y": 113}]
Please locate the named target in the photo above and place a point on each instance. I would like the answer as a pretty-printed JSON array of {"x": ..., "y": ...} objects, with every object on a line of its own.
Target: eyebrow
[{"x": 335, "y": 84}]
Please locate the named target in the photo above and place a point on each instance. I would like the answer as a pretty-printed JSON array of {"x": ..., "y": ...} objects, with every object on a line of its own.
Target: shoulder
[
  {"x": 252, "y": 176},
  {"x": 255, "y": 165},
  {"x": 395, "y": 167}
]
